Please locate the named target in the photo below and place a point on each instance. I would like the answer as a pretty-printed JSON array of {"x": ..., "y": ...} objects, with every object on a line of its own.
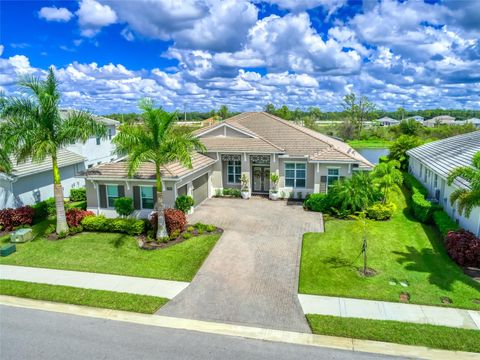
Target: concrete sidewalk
[
  {"x": 127, "y": 284},
  {"x": 382, "y": 310}
]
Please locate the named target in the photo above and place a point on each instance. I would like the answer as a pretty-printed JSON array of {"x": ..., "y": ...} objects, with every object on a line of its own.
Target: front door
[{"x": 261, "y": 178}]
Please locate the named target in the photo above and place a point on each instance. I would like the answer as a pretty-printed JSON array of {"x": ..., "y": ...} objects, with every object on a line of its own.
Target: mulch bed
[
  {"x": 146, "y": 244},
  {"x": 369, "y": 272}
]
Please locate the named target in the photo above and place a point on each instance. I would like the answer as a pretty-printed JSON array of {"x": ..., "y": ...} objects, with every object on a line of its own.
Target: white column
[{"x": 316, "y": 179}]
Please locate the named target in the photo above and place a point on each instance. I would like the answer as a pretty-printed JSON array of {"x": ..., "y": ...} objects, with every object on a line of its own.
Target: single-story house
[
  {"x": 387, "y": 121},
  {"x": 431, "y": 163},
  {"x": 31, "y": 182},
  {"x": 417, "y": 118},
  {"x": 254, "y": 144},
  {"x": 442, "y": 120},
  {"x": 474, "y": 121}
]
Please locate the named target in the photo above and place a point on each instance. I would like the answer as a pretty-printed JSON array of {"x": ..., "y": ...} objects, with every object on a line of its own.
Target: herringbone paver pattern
[{"x": 251, "y": 276}]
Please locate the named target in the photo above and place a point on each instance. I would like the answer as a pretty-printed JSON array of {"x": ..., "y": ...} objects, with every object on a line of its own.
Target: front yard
[
  {"x": 401, "y": 250},
  {"x": 112, "y": 253}
]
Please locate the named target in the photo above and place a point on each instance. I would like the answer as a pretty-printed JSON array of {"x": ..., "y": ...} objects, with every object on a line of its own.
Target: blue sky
[{"x": 200, "y": 54}]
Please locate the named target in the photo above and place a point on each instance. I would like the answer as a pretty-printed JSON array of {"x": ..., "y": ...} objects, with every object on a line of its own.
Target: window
[
  {"x": 295, "y": 175},
  {"x": 234, "y": 170},
  {"x": 435, "y": 181},
  {"x": 110, "y": 134},
  {"x": 98, "y": 141},
  {"x": 146, "y": 194},
  {"x": 332, "y": 176},
  {"x": 112, "y": 194},
  {"x": 421, "y": 170}
]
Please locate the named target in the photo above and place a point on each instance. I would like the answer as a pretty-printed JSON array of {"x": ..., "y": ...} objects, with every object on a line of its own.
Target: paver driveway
[{"x": 251, "y": 276}]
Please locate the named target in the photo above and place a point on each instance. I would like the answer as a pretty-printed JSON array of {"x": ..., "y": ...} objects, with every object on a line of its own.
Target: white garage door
[{"x": 200, "y": 189}]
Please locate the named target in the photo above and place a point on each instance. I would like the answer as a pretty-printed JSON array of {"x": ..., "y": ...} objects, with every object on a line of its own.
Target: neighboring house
[
  {"x": 387, "y": 121},
  {"x": 417, "y": 118},
  {"x": 97, "y": 150},
  {"x": 474, "y": 121},
  {"x": 442, "y": 120},
  {"x": 32, "y": 182},
  {"x": 254, "y": 144},
  {"x": 431, "y": 163}
]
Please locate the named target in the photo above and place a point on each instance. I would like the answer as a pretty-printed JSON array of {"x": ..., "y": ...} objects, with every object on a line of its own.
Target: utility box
[
  {"x": 21, "y": 236},
  {"x": 8, "y": 249}
]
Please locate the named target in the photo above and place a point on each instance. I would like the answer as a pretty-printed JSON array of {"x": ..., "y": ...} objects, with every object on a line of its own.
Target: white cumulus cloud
[
  {"x": 93, "y": 16},
  {"x": 55, "y": 14}
]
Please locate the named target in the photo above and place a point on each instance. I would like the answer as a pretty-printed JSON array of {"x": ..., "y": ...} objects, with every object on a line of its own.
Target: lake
[{"x": 373, "y": 155}]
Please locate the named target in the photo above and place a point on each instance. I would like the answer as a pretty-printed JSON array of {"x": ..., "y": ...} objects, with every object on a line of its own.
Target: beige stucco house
[{"x": 253, "y": 143}]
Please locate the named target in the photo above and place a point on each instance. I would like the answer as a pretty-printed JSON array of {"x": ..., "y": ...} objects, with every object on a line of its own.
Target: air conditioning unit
[{"x": 437, "y": 194}]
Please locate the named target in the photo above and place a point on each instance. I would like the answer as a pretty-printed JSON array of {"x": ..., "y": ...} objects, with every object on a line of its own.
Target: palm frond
[{"x": 79, "y": 126}]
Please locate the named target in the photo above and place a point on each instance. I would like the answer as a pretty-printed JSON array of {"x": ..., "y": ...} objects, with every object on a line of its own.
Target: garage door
[{"x": 200, "y": 189}]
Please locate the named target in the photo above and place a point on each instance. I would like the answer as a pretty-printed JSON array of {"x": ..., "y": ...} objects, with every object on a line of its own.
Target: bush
[
  {"x": 120, "y": 225},
  {"x": 187, "y": 235},
  {"x": 78, "y": 194},
  {"x": 200, "y": 226},
  {"x": 318, "y": 202},
  {"x": 444, "y": 223},
  {"x": 463, "y": 247},
  {"x": 62, "y": 234},
  {"x": 381, "y": 211},
  {"x": 82, "y": 205},
  {"x": 412, "y": 184},
  {"x": 41, "y": 211},
  {"x": 75, "y": 216},
  {"x": 51, "y": 208},
  {"x": 175, "y": 220},
  {"x": 12, "y": 218},
  {"x": 75, "y": 229},
  {"x": 184, "y": 203},
  {"x": 50, "y": 229},
  {"x": 211, "y": 228},
  {"x": 232, "y": 192},
  {"x": 123, "y": 206},
  {"x": 175, "y": 234},
  {"x": 422, "y": 208}
]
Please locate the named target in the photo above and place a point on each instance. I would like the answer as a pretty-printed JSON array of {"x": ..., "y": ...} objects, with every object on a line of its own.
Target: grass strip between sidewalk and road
[
  {"x": 438, "y": 337},
  {"x": 78, "y": 296}
]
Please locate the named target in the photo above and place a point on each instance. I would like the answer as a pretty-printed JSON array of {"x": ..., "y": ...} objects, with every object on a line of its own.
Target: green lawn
[
  {"x": 439, "y": 337},
  {"x": 71, "y": 295},
  {"x": 399, "y": 249},
  {"x": 373, "y": 143},
  {"x": 113, "y": 254}
]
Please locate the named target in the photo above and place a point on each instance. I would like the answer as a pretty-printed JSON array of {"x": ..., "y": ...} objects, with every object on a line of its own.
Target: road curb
[{"x": 331, "y": 342}]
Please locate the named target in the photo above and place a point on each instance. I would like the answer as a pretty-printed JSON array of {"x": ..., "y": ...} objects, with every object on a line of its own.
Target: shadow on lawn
[
  {"x": 118, "y": 241},
  {"x": 337, "y": 262}
]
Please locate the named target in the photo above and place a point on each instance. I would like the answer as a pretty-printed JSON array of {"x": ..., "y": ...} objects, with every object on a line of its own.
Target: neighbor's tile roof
[
  {"x": 101, "y": 119},
  {"x": 292, "y": 139},
  {"x": 28, "y": 167},
  {"x": 119, "y": 170},
  {"x": 444, "y": 155}
]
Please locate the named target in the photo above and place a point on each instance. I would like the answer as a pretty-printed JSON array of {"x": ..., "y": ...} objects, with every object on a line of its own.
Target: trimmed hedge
[
  {"x": 422, "y": 208},
  {"x": 78, "y": 194},
  {"x": 184, "y": 203},
  {"x": 444, "y": 223},
  {"x": 381, "y": 211},
  {"x": 102, "y": 224},
  {"x": 75, "y": 216},
  {"x": 232, "y": 192},
  {"x": 317, "y": 202},
  {"x": 413, "y": 184}
]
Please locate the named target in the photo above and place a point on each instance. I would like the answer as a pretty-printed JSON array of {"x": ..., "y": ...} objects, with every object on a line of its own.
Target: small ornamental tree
[
  {"x": 123, "y": 206},
  {"x": 274, "y": 178},
  {"x": 184, "y": 203}
]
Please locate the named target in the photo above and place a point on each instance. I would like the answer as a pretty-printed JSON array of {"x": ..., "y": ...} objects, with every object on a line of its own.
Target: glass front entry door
[{"x": 261, "y": 178}]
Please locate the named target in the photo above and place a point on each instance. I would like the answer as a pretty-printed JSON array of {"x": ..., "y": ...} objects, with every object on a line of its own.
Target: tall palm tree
[
  {"x": 33, "y": 128},
  {"x": 467, "y": 198},
  {"x": 355, "y": 194},
  {"x": 386, "y": 175},
  {"x": 155, "y": 140}
]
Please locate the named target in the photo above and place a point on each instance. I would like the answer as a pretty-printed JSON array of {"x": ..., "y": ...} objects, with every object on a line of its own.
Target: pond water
[{"x": 373, "y": 155}]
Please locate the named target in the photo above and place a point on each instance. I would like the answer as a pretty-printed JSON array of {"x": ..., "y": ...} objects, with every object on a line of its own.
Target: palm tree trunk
[
  {"x": 159, "y": 206},
  {"x": 62, "y": 225}
]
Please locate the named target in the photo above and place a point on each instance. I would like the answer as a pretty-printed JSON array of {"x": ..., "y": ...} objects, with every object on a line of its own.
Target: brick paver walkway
[{"x": 251, "y": 276}]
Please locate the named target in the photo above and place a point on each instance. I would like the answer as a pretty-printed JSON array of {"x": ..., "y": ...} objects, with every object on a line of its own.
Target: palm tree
[
  {"x": 386, "y": 175},
  {"x": 467, "y": 198},
  {"x": 156, "y": 140},
  {"x": 33, "y": 128},
  {"x": 355, "y": 194}
]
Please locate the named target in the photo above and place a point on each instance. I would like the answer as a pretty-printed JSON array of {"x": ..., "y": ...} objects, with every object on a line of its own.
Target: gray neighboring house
[
  {"x": 474, "y": 121},
  {"x": 32, "y": 182},
  {"x": 387, "y": 121},
  {"x": 254, "y": 144},
  {"x": 431, "y": 163}
]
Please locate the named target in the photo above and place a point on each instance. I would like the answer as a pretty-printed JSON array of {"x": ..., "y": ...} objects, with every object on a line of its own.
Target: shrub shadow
[{"x": 118, "y": 241}]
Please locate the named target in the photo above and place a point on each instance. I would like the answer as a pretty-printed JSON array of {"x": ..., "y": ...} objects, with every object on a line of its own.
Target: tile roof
[
  {"x": 118, "y": 170},
  {"x": 28, "y": 167},
  {"x": 223, "y": 143},
  {"x": 444, "y": 155},
  {"x": 104, "y": 120},
  {"x": 293, "y": 139}
]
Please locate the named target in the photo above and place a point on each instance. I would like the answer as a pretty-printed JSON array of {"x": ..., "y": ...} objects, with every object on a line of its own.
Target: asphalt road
[{"x": 34, "y": 334}]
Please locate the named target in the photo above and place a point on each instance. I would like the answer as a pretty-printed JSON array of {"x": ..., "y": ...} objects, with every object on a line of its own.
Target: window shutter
[
  {"x": 103, "y": 196},
  {"x": 154, "y": 196},
  {"x": 121, "y": 191},
  {"x": 136, "y": 198}
]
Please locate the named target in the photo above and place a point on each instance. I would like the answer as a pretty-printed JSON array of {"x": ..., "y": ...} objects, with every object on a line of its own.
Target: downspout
[{"x": 95, "y": 184}]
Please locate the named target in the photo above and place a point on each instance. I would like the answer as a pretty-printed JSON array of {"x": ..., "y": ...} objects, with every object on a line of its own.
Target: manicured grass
[
  {"x": 399, "y": 249},
  {"x": 71, "y": 295},
  {"x": 113, "y": 254},
  {"x": 439, "y": 337},
  {"x": 373, "y": 143}
]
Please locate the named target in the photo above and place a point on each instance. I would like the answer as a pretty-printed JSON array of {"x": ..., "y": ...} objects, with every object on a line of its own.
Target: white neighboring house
[
  {"x": 387, "y": 121},
  {"x": 32, "y": 182},
  {"x": 431, "y": 163},
  {"x": 417, "y": 118},
  {"x": 96, "y": 150},
  {"x": 442, "y": 120},
  {"x": 474, "y": 121}
]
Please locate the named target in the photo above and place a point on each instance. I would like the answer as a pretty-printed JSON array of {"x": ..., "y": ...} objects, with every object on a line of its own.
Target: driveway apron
[{"x": 251, "y": 275}]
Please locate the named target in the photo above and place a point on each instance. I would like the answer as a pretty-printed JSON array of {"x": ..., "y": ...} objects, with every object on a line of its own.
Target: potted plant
[
  {"x": 245, "y": 186},
  {"x": 274, "y": 190}
]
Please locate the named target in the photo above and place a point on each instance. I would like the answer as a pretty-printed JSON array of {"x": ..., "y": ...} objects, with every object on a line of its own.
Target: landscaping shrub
[
  {"x": 82, "y": 205},
  {"x": 121, "y": 225},
  {"x": 412, "y": 184},
  {"x": 211, "y": 228},
  {"x": 200, "y": 226},
  {"x": 421, "y": 207},
  {"x": 175, "y": 220},
  {"x": 463, "y": 247},
  {"x": 318, "y": 202},
  {"x": 232, "y": 192},
  {"x": 78, "y": 194},
  {"x": 123, "y": 206},
  {"x": 50, "y": 229},
  {"x": 184, "y": 203},
  {"x": 187, "y": 235},
  {"x": 41, "y": 211},
  {"x": 75, "y": 229},
  {"x": 75, "y": 216},
  {"x": 51, "y": 208},
  {"x": 444, "y": 223},
  {"x": 12, "y": 218},
  {"x": 381, "y": 211}
]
